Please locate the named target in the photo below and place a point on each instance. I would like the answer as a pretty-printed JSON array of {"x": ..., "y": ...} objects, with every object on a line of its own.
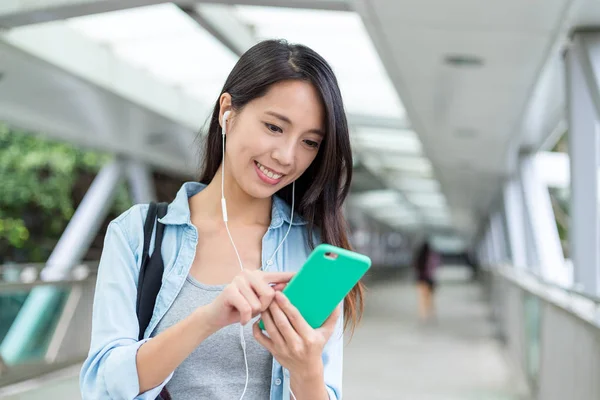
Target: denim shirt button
[
  {"x": 270, "y": 262},
  {"x": 278, "y": 381}
]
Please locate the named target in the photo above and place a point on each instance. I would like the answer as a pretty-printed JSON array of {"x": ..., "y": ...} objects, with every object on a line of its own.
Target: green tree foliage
[{"x": 37, "y": 181}]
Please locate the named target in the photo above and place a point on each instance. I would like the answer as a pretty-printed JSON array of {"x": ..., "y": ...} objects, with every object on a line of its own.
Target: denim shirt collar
[{"x": 178, "y": 212}]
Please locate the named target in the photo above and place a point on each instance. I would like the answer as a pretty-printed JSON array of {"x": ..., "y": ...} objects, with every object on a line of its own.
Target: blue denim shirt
[{"x": 109, "y": 372}]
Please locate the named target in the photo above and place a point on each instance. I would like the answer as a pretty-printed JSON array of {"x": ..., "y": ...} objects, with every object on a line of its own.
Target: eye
[
  {"x": 273, "y": 128},
  {"x": 312, "y": 144}
]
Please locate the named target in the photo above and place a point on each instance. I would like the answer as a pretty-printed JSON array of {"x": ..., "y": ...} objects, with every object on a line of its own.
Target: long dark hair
[{"x": 324, "y": 186}]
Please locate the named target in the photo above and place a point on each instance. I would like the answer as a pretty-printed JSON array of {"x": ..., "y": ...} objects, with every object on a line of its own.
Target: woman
[
  {"x": 287, "y": 143},
  {"x": 425, "y": 264}
]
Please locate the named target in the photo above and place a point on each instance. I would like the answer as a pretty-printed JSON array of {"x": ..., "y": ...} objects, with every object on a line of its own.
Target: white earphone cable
[
  {"x": 224, "y": 203},
  {"x": 289, "y": 227},
  {"x": 225, "y": 219}
]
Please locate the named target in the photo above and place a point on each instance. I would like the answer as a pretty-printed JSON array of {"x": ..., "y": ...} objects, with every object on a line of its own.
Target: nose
[{"x": 284, "y": 153}]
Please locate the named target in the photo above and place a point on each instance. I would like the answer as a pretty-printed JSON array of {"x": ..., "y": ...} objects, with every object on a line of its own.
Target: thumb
[{"x": 278, "y": 277}]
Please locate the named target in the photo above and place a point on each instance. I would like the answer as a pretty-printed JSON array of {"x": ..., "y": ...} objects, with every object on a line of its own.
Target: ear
[{"x": 224, "y": 105}]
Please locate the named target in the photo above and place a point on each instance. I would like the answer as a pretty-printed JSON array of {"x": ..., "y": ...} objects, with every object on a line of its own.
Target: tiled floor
[{"x": 393, "y": 356}]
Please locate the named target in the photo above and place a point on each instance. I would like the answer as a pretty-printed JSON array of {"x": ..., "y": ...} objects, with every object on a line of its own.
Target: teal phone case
[{"x": 324, "y": 281}]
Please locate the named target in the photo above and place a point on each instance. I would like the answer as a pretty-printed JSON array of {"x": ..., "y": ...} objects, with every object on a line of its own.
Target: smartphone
[{"x": 324, "y": 280}]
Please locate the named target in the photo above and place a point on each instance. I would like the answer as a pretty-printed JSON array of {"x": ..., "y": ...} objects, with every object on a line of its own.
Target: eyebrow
[{"x": 289, "y": 122}]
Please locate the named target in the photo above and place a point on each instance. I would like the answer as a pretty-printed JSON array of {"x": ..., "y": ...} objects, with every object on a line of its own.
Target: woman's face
[{"x": 275, "y": 138}]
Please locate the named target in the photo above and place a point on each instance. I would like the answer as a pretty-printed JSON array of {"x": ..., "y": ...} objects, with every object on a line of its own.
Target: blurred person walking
[{"x": 425, "y": 264}]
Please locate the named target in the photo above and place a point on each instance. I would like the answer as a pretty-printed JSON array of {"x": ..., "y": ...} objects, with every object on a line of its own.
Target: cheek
[
  {"x": 256, "y": 144},
  {"x": 242, "y": 149}
]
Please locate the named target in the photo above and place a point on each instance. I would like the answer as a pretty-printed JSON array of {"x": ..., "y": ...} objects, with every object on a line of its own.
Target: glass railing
[
  {"x": 42, "y": 327},
  {"x": 38, "y": 320},
  {"x": 532, "y": 318}
]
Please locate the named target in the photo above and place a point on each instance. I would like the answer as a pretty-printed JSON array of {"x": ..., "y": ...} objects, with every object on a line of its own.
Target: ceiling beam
[
  {"x": 20, "y": 13},
  {"x": 223, "y": 24},
  {"x": 88, "y": 60},
  {"x": 325, "y": 5},
  {"x": 221, "y": 21},
  {"x": 59, "y": 129},
  {"x": 92, "y": 85}
]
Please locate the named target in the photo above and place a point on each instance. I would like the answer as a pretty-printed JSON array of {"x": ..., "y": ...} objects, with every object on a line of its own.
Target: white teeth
[{"x": 268, "y": 173}]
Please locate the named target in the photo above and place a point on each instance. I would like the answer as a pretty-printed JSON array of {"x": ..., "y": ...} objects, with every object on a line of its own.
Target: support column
[
  {"x": 489, "y": 247},
  {"x": 481, "y": 251},
  {"x": 85, "y": 223},
  {"x": 513, "y": 210},
  {"x": 498, "y": 235},
  {"x": 543, "y": 230},
  {"x": 69, "y": 251},
  {"x": 141, "y": 182},
  {"x": 583, "y": 101}
]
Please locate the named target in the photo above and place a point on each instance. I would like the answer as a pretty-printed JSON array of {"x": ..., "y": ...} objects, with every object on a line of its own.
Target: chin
[{"x": 259, "y": 191}]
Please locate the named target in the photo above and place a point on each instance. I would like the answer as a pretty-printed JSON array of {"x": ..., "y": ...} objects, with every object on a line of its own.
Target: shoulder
[{"x": 131, "y": 223}]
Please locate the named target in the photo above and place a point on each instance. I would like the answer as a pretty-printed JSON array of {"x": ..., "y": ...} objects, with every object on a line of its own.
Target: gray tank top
[{"x": 216, "y": 370}]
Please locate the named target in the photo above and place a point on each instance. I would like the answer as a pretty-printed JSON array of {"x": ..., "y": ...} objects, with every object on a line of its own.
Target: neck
[{"x": 241, "y": 207}]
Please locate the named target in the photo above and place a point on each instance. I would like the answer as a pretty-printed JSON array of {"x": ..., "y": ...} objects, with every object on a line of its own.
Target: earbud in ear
[{"x": 225, "y": 116}]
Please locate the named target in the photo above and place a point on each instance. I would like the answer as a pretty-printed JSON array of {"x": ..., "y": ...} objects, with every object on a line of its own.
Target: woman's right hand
[{"x": 249, "y": 294}]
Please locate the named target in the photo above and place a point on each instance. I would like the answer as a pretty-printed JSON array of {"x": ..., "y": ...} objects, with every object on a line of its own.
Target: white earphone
[
  {"x": 225, "y": 219},
  {"x": 225, "y": 116}
]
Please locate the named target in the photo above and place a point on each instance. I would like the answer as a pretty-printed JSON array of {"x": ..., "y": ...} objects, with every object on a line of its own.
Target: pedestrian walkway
[
  {"x": 457, "y": 357},
  {"x": 393, "y": 357}
]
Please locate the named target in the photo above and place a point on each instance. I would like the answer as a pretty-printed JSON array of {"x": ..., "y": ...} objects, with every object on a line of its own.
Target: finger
[
  {"x": 279, "y": 287},
  {"x": 238, "y": 301},
  {"x": 262, "y": 339},
  {"x": 283, "y": 324},
  {"x": 253, "y": 300},
  {"x": 278, "y": 277},
  {"x": 297, "y": 321},
  {"x": 272, "y": 329},
  {"x": 263, "y": 290},
  {"x": 329, "y": 325}
]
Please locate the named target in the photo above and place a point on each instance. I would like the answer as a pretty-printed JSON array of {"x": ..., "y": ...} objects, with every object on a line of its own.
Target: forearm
[
  {"x": 157, "y": 358},
  {"x": 309, "y": 384}
]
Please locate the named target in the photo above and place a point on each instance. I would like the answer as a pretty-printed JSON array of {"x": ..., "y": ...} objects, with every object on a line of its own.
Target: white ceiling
[
  {"x": 173, "y": 47},
  {"x": 44, "y": 99},
  {"x": 469, "y": 122},
  {"x": 465, "y": 117}
]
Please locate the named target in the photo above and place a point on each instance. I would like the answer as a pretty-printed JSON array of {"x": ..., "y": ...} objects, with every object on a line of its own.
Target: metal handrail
[
  {"x": 22, "y": 266},
  {"x": 49, "y": 363},
  {"x": 29, "y": 276},
  {"x": 572, "y": 291},
  {"x": 11, "y": 287},
  {"x": 39, "y": 266}
]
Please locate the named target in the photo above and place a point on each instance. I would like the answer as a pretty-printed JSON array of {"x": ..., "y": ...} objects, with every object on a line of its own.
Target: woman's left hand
[{"x": 292, "y": 341}]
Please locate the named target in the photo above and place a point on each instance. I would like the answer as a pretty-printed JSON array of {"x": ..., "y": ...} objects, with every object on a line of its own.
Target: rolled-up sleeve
[
  {"x": 110, "y": 370},
  {"x": 333, "y": 360}
]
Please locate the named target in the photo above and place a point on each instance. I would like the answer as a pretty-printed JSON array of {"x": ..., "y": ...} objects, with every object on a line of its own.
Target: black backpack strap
[
  {"x": 148, "y": 228},
  {"x": 151, "y": 268}
]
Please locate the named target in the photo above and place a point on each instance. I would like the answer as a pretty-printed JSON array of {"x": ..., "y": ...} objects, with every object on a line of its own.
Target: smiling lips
[{"x": 268, "y": 175}]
